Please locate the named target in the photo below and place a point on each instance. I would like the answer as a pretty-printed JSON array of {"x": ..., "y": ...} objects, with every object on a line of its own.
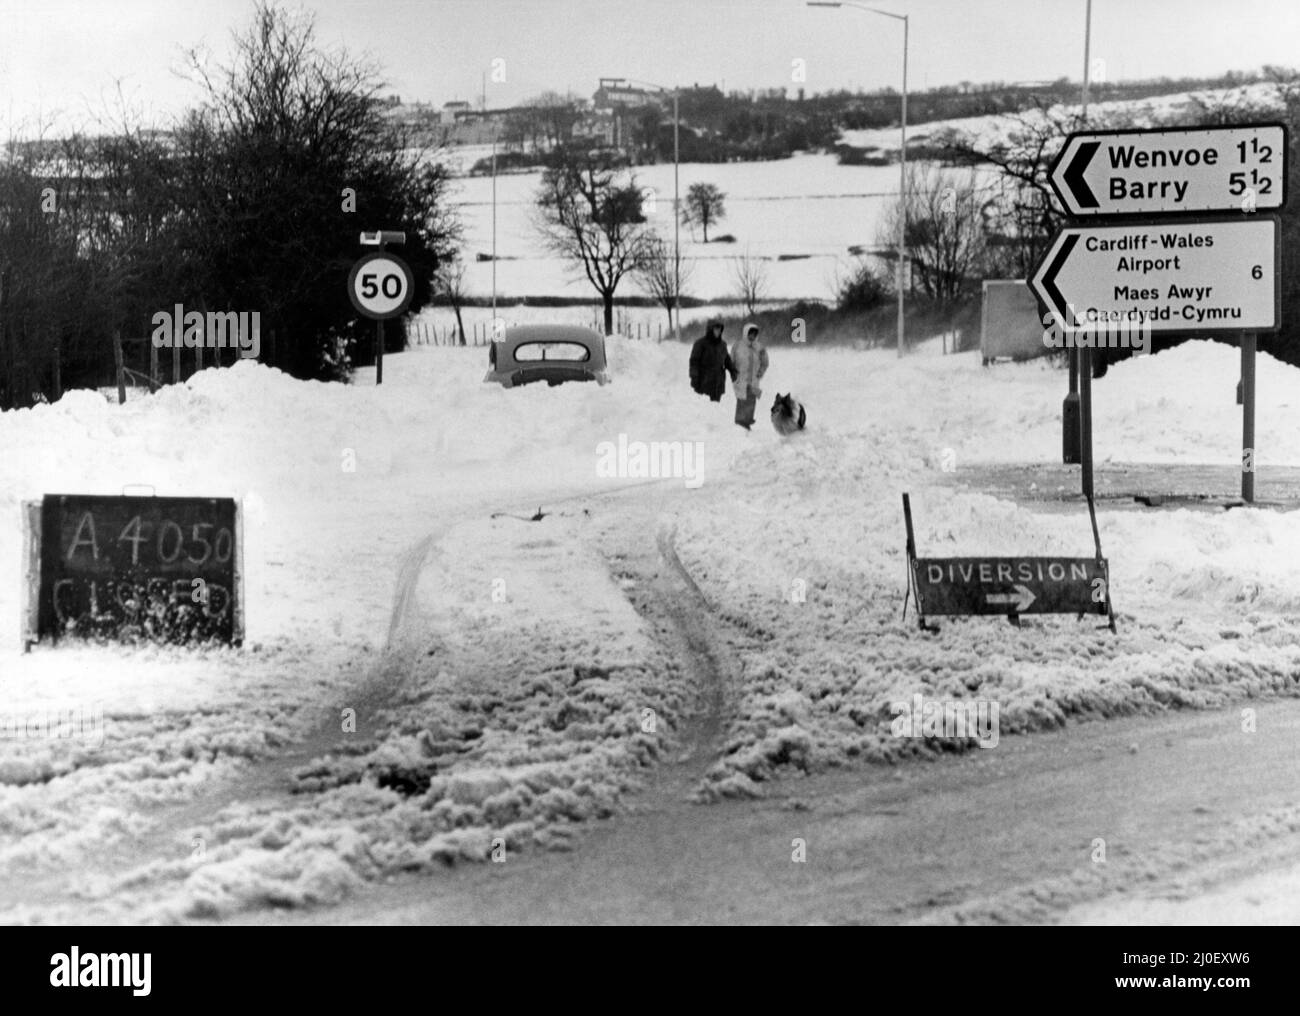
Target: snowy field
[
  {"x": 799, "y": 216},
  {"x": 834, "y": 206},
  {"x": 500, "y": 673}
]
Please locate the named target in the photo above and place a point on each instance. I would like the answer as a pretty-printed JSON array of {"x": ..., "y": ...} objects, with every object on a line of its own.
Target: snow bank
[
  {"x": 809, "y": 569},
  {"x": 520, "y": 716}
]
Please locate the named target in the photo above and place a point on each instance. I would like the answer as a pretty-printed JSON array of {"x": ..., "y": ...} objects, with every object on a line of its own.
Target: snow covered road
[
  {"x": 499, "y": 671},
  {"x": 1183, "y": 804}
]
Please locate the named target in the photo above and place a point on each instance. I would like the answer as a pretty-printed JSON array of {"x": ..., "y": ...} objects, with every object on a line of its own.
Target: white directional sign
[
  {"x": 1173, "y": 276},
  {"x": 1146, "y": 172}
]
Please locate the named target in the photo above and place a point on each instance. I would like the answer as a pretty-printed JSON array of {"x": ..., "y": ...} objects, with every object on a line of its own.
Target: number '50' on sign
[{"x": 380, "y": 286}]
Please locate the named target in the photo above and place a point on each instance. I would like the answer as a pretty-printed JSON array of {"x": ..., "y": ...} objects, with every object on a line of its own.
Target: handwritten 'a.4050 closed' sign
[{"x": 164, "y": 569}]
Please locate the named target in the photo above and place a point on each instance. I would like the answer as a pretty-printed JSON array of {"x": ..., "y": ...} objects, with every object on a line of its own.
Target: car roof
[
  {"x": 553, "y": 333},
  {"x": 520, "y": 335}
]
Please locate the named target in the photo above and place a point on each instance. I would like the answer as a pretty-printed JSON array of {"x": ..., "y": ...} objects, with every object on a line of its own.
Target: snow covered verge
[
  {"x": 160, "y": 806},
  {"x": 510, "y": 702},
  {"x": 507, "y": 712},
  {"x": 811, "y": 571},
  {"x": 806, "y": 563}
]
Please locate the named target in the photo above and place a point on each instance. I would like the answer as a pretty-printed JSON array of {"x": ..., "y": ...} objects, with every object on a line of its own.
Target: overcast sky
[{"x": 62, "y": 57}]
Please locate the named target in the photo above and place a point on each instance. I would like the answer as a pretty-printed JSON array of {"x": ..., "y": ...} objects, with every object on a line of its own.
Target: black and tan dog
[{"x": 788, "y": 415}]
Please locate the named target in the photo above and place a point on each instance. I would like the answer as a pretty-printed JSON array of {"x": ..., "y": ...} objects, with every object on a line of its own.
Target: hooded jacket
[
  {"x": 710, "y": 365},
  {"x": 749, "y": 360}
]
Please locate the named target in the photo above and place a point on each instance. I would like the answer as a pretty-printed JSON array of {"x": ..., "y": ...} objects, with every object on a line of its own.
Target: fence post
[
  {"x": 153, "y": 366},
  {"x": 117, "y": 362},
  {"x": 58, "y": 369},
  {"x": 8, "y": 390},
  {"x": 176, "y": 363}
]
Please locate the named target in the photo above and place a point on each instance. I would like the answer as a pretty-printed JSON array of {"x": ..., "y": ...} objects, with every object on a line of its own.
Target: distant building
[
  {"x": 596, "y": 127},
  {"x": 614, "y": 93},
  {"x": 452, "y": 110}
]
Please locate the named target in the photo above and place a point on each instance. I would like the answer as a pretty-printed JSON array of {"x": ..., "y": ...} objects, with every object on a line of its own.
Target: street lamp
[
  {"x": 493, "y": 128},
  {"x": 902, "y": 156},
  {"x": 677, "y": 221},
  {"x": 494, "y": 228}
]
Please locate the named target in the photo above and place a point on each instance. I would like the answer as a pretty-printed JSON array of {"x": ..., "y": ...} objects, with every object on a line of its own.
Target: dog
[{"x": 788, "y": 415}]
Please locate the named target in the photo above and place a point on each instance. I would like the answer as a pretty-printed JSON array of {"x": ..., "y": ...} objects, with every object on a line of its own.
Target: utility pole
[
  {"x": 677, "y": 222},
  {"x": 902, "y": 160}
]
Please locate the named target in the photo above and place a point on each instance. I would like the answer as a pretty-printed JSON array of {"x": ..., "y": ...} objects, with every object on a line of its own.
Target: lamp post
[
  {"x": 677, "y": 219},
  {"x": 492, "y": 127},
  {"x": 902, "y": 156},
  {"x": 494, "y": 229}
]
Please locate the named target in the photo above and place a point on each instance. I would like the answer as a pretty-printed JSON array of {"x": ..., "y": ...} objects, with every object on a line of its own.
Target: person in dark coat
[{"x": 711, "y": 362}]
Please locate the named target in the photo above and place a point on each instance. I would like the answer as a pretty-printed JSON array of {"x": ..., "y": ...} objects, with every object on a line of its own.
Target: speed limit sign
[{"x": 380, "y": 286}]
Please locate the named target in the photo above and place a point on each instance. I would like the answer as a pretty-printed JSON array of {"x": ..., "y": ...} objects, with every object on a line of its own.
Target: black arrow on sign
[
  {"x": 1053, "y": 270},
  {"x": 1073, "y": 176}
]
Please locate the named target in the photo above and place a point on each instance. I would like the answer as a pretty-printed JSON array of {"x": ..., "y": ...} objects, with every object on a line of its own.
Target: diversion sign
[
  {"x": 1011, "y": 585},
  {"x": 1006, "y": 586},
  {"x": 163, "y": 569}
]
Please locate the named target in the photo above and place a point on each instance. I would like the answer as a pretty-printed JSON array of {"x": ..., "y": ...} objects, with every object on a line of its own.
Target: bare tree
[
  {"x": 703, "y": 206},
  {"x": 945, "y": 230},
  {"x": 450, "y": 279},
  {"x": 287, "y": 136},
  {"x": 551, "y": 117},
  {"x": 662, "y": 277},
  {"x": 1025, "y": 214},
  {"x": 590, "y": 214},
  {"x": 751, "y": 280}
]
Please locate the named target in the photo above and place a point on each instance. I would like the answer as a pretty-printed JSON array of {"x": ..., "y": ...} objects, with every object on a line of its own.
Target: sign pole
[
  {"x": 1070, "y": 413},
  {"x": 117, "y": 362},
  {"x": 1084, "y": 354},
  {"x": 1071, "y": 436},
  {"x": 912, "y": 586},
  {"x": 1248, "y": 417},
  {"x": 380, "y": 286}
]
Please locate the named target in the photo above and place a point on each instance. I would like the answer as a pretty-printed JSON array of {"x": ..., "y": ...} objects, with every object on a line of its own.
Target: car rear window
[{"x": 570, "y": 352}]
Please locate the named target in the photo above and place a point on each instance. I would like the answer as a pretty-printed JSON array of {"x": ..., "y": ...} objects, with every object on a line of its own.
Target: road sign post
[
  {"x": 380, "y": 287},
  {"x": 1084, "y": 355},
  {"x": 1170, "y": 275},
  {"x": 1070, "y": 413},
  {"x": 1248, "y": 417}
]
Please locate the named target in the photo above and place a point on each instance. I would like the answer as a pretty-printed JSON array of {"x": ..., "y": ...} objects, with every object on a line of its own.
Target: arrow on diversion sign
[{"x": 1021, "y": 598}]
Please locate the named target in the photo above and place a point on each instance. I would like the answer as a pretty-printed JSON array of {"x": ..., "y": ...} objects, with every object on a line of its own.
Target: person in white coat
[{"x": 749, "y": 364}]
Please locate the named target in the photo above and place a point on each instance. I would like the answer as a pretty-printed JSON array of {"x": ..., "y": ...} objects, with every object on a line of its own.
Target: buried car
[{"x": 550, "y": 353}]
